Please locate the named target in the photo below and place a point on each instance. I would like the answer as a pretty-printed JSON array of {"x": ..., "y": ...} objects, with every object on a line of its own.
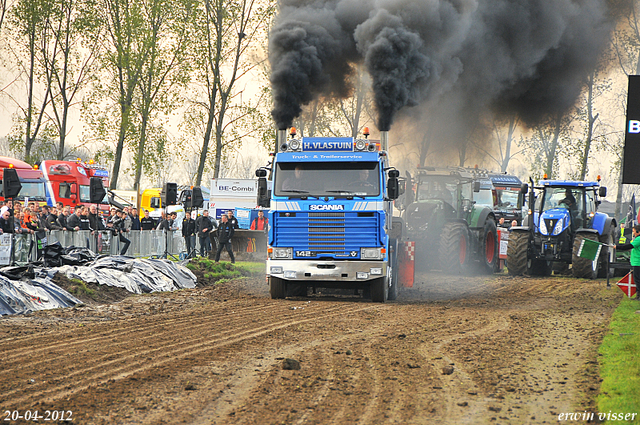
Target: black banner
[{"x": 631, "y": 164}]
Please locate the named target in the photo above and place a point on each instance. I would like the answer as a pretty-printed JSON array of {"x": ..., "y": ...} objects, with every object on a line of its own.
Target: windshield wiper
[
  {"x": 295, "y": 191},
  {"x": 347, "y": 193}
]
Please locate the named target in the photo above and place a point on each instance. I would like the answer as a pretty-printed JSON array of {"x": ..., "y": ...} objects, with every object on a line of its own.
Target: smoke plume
[{"x": 523, "y": 56}]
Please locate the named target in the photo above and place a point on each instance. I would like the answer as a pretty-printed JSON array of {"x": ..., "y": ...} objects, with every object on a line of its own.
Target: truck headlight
[
  {"x": 276, "y": 270},
  {"x": 362, "y": 275},
  {"x": 283, "y": 253},
  {"x": 371, "y": 253},
  {"x": 558, "y": 227},
  {"x": 375, "y": 270}
]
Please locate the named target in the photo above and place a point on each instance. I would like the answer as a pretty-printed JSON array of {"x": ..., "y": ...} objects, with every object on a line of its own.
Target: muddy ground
[{"x": 451, "y": 350}]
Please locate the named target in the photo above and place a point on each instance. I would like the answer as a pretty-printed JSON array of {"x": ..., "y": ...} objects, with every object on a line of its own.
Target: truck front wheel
[
  {"x": 379, "y": 289},
  {"x": 276, "y": 288}
]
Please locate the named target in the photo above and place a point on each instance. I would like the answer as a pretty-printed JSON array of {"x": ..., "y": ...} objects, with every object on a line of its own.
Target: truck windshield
[
  {"x": 33, "y": 190},
  {"x": 296, "y": 179},
  {"x": 508, "y": 198}
]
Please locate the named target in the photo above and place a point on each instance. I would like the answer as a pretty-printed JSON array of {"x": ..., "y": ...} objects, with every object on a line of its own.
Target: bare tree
[{"x": 226, "y": 30}]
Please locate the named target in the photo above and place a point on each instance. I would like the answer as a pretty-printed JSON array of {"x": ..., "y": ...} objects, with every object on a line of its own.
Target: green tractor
[{"x": 451, "y": 220}]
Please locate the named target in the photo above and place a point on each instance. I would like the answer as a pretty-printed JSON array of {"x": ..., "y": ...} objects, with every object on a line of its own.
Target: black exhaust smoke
[{"x": 527, "y": 56}]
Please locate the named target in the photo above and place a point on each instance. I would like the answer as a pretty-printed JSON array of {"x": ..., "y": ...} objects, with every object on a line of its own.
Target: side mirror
[
  {"x": 261, "y": 172},
  {"x": 263, "y": 193},
  {"x": 524, "y": 188},
  {"x": 393, "y": 186},
  {"x": 476, "y": 187},
  {"x": 602, "y": 191},
  {"x": 74, "y": 188},
  {"x": 73, "y": 197}
]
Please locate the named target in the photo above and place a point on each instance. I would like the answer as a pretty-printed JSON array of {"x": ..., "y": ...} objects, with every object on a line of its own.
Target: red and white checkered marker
[
  {"x": 410, "y": 249},
  {"x": 627, "y": 285}
]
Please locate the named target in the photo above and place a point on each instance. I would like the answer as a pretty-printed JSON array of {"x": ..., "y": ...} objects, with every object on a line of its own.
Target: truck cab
[
  {"x": 31, "y": 179},
  {"x": 330, "y": 217},
  {"x": 68, "y": 182}
]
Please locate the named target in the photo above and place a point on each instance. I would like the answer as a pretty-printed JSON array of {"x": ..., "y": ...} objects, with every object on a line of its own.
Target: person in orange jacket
[{"x": 260, "y": 223}]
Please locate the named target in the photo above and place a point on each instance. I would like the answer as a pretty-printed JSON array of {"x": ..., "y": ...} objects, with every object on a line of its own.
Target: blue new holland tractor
[{"x": 561, "y": 214}]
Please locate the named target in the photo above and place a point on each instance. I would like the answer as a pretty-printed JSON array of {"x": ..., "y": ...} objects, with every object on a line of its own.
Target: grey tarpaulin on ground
[
  {"x": 39, "y": 293},
  {"x": 135, "y": 275}
]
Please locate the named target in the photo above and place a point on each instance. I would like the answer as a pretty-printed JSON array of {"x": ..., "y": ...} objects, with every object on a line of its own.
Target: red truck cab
[
  {"x": 31, "y": 178},
  {"x": 68, "y": 182}
]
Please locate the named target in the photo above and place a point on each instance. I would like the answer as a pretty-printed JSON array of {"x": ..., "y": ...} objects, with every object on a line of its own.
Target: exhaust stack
[
  {"x": 384, "y": 140},
  {"x": 281, "y": 138}
]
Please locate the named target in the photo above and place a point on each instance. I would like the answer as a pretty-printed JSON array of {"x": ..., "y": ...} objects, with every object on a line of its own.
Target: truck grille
[{"x": 336, "y": 234}]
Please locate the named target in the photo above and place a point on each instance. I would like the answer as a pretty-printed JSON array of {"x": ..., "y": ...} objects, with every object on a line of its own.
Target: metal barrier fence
[{"x": 26, "y": 247}]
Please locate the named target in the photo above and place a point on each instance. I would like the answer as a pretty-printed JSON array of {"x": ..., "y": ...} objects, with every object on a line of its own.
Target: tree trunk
[{"x": 551, "y": 155}]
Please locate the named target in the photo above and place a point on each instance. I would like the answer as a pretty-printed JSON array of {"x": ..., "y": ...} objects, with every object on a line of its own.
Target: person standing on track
[
  {"x": 225, "y": 233},
  {"x": 634, "y": 246}
]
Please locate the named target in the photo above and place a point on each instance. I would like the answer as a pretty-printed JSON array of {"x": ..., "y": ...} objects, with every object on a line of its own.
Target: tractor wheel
[
  {"x": 379, "y": 289},
  {"x": 607, "y": 252},
  {"x": 517, "y": 252},
  {"x": 489, "y": 249},
  {"x": 276, "y": 288},
  {"x": 454, "y": 248},
  {"x": 583, "y": 267}
]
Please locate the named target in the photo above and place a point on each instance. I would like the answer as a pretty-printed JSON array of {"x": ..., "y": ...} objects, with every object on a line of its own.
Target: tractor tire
[
  {"x": 607, "y": 252},
  {"x": 517, "y": 253},
  {"x": 583, "y": 267},
  {"x": 379, "y": 289},
  {"x": 489, "y": 251},
  {"x": 453, "y": 251},
  {"x": 276, "y": 288}
]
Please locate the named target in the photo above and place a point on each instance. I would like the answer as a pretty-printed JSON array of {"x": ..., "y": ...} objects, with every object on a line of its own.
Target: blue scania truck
[{"x": 331, "y": 216}]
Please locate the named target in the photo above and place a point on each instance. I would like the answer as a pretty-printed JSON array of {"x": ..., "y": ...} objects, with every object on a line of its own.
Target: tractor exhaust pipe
[{"x": 384, "y": 140}]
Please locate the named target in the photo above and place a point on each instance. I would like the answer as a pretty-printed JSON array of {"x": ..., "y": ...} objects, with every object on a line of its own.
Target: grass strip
[{"x": 620, "y": 363}]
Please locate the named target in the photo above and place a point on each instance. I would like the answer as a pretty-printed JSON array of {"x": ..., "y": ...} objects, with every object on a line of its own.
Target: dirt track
[{"x": 453, "y": 350}]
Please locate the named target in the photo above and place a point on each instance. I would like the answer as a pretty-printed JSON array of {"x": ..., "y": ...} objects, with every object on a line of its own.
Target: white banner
[{"x": 5, "y": 249}]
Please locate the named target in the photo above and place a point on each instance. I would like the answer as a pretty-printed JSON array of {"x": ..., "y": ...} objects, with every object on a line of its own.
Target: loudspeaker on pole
[
  {"x": 169, "y": 194},
  {"x": 97, "y": 191},
  {"x": 11, "y": 185}
]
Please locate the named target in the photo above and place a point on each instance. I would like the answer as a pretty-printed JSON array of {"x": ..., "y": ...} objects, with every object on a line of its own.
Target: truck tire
[
  {"x": 379, "y": 289},
  {"x": 276, "y": 288},
  {"x": 607, "y": 252},
  {"x": 294, "y": 289},
  {"x": 489, "y": 248},
  {"x": 517, "y": 252},
  {"x": 583, "y": 267},
  {"x": 454, "y": 248}
]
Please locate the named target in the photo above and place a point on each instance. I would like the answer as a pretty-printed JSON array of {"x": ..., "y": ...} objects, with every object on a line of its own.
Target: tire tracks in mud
[
  {"x": 459, "y": 384},
  {"x": 127, "y": 362}
]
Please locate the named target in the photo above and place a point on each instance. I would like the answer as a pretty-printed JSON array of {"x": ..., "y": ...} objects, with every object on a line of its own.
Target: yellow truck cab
[{"x": 150, "y": 201}]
